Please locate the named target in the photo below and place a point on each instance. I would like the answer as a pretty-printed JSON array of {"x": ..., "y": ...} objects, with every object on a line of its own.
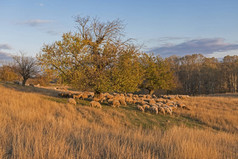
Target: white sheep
[
  {"x": 152, "y": 102},
  {"x": 168, "y": 110},
  {"x": 122, "y": 101},
  {"x": 95, "y": 104},
  {"x": 154, "y": 109},
  {"x": 115, "y": 103},
  {"x": 72, "y": 101},
  {"x": 140, "y": 108},
  {"x": 161, "y": 109}
]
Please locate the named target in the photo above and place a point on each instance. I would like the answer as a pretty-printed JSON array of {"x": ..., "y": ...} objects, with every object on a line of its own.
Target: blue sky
[{"x": 165, "y": 27}]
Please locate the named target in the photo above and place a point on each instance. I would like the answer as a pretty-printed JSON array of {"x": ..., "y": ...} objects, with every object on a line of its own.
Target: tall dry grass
[
  {"x": 33, "y": 127},
  {"x": 219, "y": 113}
]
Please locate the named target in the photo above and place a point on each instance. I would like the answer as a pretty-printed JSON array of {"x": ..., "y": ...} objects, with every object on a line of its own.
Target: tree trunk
[
  {"x": 24, "y": 82},
  {"x": 151, "y": 92},
  {"x": 97, "y": 94}
]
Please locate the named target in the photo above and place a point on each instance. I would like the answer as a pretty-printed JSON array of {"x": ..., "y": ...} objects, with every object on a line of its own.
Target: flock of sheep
[{"x": 145, "y": 103}]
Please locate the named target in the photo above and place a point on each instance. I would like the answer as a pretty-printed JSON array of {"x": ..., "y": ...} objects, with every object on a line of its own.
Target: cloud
[
  {"x": 166, "y": 39},
  {"x": 52, "y": 32},
  {"x": 203, "y": 46},
  {"x": 41, "y": 4},
  {"x": 36, "y": 22},
  {"x": 5, "y": 47},
  {"x": 5, "y": 56}
]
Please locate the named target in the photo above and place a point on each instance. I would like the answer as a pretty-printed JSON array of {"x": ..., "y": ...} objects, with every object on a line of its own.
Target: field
[{"x": 35, "y": 123}]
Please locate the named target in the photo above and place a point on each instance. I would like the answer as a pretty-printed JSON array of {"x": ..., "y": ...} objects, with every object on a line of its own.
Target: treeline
[
  {"x": 197, "y": 74},
  {"x": 96, "y": 59}
]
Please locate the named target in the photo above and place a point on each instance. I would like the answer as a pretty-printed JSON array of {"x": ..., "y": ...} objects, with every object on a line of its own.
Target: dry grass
[
  {"x": 34, "y": 127},
  {"x": 219, "y": 113}
]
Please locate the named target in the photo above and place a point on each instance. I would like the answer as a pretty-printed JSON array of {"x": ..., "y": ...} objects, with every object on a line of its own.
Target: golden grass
[
  {"x": 34, "y": 127},
  {"x": 220, "y": 113}
]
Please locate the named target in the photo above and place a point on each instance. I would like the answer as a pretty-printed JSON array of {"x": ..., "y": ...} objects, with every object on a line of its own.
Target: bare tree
[{"x": 25, "y": 67}]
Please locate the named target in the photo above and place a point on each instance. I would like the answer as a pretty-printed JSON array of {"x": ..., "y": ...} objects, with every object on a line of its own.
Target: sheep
[
  {"x": 154, "y": 96},
  {"x": 173, "y": 107},
  {"x": 152, "y": 101},
  {"x": 154, "y": 109},
  {"x": 103, "y": 99},
  {"x": 117, "y": 97},
  {"x": 84, "y": 95},
  {"x": 168, "y": 110},
  {"x": 122, "y": 101},
  {"x": 129, "y": 100},
  {"x": 159, "y": 100},
  {"x": 148, "y": 97},
  {"x": 161, "y": 109},
  {"x": 72, "y": 101},
  {"x": 96, "y": 99},
  {"x": 109, "y": 96},
  {"x": 95, "y": 104},
  {"x": 77, "y": 96},
  {"x": 136, "y": 96},
  {"x": 110, "y": 101},
  {"x": 146, "y": 107},
  {"x": 130, "y": 95},
  {"x": 140, "y": 108},
  {"x": 115, "y": 103}
]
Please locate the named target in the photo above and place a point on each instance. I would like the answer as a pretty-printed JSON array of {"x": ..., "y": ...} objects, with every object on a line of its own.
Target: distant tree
[
  {"x": 7, "y": 73},
  {"x": 86, "y": 59},
  {"x": 158, "y": 74},
  {"x": 25, "y": 66},
  {"x": 230, "y": 72},
  {"x": 210, "y": 75}
]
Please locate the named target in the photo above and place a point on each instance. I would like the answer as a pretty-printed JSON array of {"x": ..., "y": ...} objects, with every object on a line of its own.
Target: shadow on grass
[{"x": 40, "y": 90}]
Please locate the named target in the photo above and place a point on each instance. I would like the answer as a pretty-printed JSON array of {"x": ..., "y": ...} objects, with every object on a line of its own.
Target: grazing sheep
[
  {"x": 154, "y": 109},
  {"x": 173, "y": 107},
  {"x": 84, "y": 96},
  {"x": 130, "y": 95},
  {"x": 168, "y": 110},
  {"x": 161, "y": 109},
  {"x": 96, "y": 99},
  {"x": 152, "y": 102},
  {"x": 122, "y": 101},
  {"x": 145, "y": 106},
  {"x": 77, "y": 96},
  {"x": 103, "y": 99},
  {"x": 136, "y": 96},
  {"x": 110, "y": 101},
  {"x": 180, "y": 105},
  {"x": 159, "y": 100},
  {"x": 95, "y": 104},
  {"x": 129, "y": 100},
  {"x": 140, "y": 108},
  {"x": 115, "y": 103},
  {"x": 148, "y": 97},
  {"x": 72, "y": 101},
  {"x": 109, "y": 96},
  {"x": 117, "y": 97}
]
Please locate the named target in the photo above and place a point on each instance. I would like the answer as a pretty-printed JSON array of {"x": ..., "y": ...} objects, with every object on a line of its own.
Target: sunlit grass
[{"x": 39, "y": 126}]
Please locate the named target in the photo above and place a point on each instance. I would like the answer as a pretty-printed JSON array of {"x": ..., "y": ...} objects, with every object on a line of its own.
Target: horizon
[{"x": 165, "y": 28}]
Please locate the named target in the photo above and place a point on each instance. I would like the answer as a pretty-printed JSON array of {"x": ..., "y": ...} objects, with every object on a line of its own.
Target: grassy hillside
[{"x": 37, "y": 124}]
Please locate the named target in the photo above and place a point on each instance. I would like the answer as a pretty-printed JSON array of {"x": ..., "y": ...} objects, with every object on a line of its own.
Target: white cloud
[
  {"x": 36, "y": 22},
  {"x": 208, "y": 46},
  {"x": 5, "y": 47},
  {"x": 223, "y": 54},
  {"x": 5, "y": 56},
  {"x": 41, "y": 4}
]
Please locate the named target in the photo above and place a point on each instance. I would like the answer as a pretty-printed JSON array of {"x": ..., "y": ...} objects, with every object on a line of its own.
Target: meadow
[{"x": 35, "y": 123}]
